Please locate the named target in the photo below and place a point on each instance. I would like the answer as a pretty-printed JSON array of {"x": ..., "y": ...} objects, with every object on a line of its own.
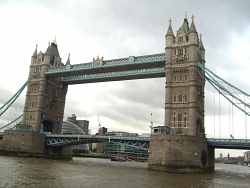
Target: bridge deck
[{"x": 56, "y": 140}]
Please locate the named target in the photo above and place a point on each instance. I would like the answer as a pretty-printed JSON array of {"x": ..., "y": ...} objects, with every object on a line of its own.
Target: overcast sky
[{"x": 113, "y": 29}]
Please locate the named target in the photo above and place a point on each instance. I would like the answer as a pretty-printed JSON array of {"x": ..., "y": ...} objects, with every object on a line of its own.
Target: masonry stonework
[
  {"x": 45, "y": 98},
  {"x": 184, "y": 148}
]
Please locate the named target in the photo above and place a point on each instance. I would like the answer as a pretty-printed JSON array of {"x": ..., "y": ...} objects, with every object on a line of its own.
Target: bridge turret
[
  {"x": 170, "y": 37},
  {"x": 184, "y": 146},
  {"x": 68, "y": 60},
  {"x": 202, "y": 49},
  {"x": 193, "y": 35},
  {"x": 45, "y": 98},
  {"x": 184, "y": 91},
  {"x": 52, "y": 55},
  {"x": 35, "y": 52},
  {"x": 182, "y": 33}
]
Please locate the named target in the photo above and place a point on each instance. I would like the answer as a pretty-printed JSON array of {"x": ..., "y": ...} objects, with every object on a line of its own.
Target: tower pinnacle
[
  {"x": 201, "y": 43},
  {"x": 68, "y": 60},
  {"x": 35, "y": 52},
  {"x": 170, "y": 30},
  {"x": 192, "y": 26}
]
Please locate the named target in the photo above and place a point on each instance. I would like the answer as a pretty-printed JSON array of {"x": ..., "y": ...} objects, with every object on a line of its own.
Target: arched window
[
  {"x": 185, "y": 119},
  {"x": 179, "y": 119},
  {"x": 185, "y": 98},
  {"x": 174, "y": 119},
  {"x": 180, "y": 98},
  {"x": 179, "y": 51}
]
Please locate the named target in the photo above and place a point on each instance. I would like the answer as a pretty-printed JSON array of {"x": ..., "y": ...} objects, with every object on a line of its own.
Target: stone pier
[
  {"x": 180, "y": 154},
  {"x": 31, "y": 144}
]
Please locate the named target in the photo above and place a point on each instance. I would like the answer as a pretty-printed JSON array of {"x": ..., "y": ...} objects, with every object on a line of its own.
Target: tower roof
[
  {"x": 170, "y": 30},
  {"x": 35, "y": 52},
  {"x": 201, "y": 43},
  {"x": 192, "y": 26},
  {"x": 52, "y": 50},
  {"x": 184, "y": 27}
]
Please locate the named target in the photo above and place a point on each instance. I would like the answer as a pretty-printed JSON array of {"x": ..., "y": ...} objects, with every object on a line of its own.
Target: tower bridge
[{"x": 180, "y": 145}]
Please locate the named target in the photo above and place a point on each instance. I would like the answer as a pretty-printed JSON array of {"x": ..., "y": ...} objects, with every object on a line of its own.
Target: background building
[{"x": 74, "y": 126}]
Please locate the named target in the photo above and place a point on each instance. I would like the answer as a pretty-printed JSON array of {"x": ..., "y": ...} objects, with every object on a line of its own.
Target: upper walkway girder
[
  {"x": 115, "y": 76},
  {"x": 113, "y": 65}
]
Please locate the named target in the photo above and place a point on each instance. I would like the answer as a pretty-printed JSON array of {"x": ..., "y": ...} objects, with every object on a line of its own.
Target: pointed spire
[
  {"x": 68, "y": 60},
  {"x": 54, "y": 41},
  {"x": 170, "y": 30},
  {"x": 192, "y": 27},
  {"x": 184, "y": 27},
  {"x": 35, "y": 52},
  {"x": 201, "y": 43}
]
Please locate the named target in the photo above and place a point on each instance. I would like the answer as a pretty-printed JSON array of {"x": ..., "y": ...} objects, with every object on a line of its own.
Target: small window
[
  {"x": 179, "y": 119},
  {"x": 180, "y": 51},
  {"x": 174, "y": 118},
  {"x": 185, "y": 98},
  {"x": 180, "y": 98},
  {"x": 185, "y": 119},
  {"x": 180, "y": 39}
]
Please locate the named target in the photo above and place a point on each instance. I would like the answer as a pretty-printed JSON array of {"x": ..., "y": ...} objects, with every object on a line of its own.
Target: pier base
[
  {"x": 180, "y": 154},
  {"x": 31, "y": 144}
]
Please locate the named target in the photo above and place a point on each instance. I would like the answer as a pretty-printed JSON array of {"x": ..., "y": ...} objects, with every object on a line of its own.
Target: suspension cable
[
  {"x": 219, "y": 117},
  {"x": 6, "y": 106},
  {"x": 10, "y": 123},
  {"x": 20, "y": 90},
  {"x": 226, "y": 90},
  {"x": 232, "y": 107},
  {"x": 214, "y": 112},
  {"x": 245, "y": 124},
  {"x": 218, "y": 87},
  {"x": 224, "y": 81}
]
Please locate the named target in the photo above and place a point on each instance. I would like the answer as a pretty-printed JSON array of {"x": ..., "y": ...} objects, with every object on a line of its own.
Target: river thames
[{"x": 89, "y": 172}]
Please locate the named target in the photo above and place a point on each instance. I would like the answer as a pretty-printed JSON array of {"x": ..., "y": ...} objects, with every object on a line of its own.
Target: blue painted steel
[
  {"x": 229, "y": 143},
  {"x": 59, "y": 140},
  {"x": 132, "y": 60},
  {"x": 112, "y": 76}
]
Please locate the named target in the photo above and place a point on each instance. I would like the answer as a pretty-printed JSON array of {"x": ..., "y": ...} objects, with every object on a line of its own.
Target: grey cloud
[{"x": 123, "y": 28}]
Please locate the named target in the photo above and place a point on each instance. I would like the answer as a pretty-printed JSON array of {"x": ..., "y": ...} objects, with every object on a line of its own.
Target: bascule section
[{"x": 180, "y": 145}]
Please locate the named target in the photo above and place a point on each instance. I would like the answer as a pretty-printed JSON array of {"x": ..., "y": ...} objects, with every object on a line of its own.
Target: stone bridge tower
[
  {"x": 180, "y": 145},
  {"x": 45, "y": 98}
]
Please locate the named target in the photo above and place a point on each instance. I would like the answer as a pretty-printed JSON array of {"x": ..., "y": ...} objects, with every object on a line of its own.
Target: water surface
[{"x": 95, "y": 173}]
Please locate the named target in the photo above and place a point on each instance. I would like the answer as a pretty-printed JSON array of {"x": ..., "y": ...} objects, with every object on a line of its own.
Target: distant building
[
  {"x": 102, "y": 131},
  {"x": 247, "y": 156},
  {"x": 74, "y": 126},
  {"x": 80, "y": 127},
  {"x": 100, "y": 146},
  {"x": 121, "y": 133},
  {"x": 221, "y": 156}
]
